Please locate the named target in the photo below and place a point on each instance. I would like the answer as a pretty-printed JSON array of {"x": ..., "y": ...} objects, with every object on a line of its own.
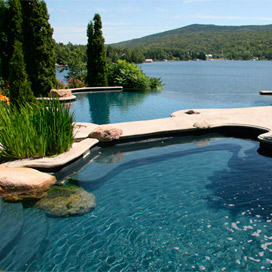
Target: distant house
[
  {"x": 209, "y": 56},
  {"x": 148, "y": 60}
]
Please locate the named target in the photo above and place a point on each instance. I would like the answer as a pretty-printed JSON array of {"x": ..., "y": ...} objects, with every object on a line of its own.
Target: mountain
[{"x": 195, "y": 29}]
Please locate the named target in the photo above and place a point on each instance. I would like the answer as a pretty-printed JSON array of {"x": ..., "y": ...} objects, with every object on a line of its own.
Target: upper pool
[{"x": 195, "y": 84}]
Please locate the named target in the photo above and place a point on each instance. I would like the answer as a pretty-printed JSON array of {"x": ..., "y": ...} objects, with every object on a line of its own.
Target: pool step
[
  {"x": 11, "y": 224},
  {"x": 34, "y": 231}
]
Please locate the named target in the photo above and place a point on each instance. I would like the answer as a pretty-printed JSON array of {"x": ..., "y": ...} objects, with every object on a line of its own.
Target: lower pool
[{"x": 200, "y": 203}]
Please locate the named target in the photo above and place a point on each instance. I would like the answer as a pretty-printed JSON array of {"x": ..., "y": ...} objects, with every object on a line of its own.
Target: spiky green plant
[{"x": 35, "y": 130}]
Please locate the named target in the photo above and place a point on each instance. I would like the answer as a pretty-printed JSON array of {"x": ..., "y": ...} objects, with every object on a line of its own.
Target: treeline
[
  {"x": 232, "y": 46},
  {"x": 195, "y": 41},
  {"x": 73, "y": 54}
]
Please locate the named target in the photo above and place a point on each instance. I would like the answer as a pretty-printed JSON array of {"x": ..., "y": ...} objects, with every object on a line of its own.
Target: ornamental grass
[{"x": 35, "y": 130}]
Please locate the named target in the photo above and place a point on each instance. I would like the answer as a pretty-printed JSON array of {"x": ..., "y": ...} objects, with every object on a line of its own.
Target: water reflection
[
  {"x": 247, "y": 186},
  {"x": 101, "y": 105},
  {"x": 99, "y": 108}
]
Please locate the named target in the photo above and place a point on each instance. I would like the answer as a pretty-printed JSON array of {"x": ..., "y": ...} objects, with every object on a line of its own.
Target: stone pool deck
[
  {"x": 188, "y": 121},
  {"x": 180, "y": 121}
]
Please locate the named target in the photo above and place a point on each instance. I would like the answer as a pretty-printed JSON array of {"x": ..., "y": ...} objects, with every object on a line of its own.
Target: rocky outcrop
[
  {"x": 61, "y": 93},
  {"x": 106, "y": 134},
  {"x": 18, "y": 184},
  {"x": 69, "y": 200}
]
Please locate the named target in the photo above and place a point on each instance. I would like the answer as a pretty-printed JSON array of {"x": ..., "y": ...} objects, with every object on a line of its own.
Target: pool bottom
[{"x": 179, "y": 207}]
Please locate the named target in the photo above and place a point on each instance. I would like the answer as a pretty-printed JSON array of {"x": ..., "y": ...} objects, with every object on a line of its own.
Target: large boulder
[
  {"x": 18, "y": 184},
  {"x": 106, "y": 134},
  {"x": 68, "y": 200},
  {"x": 61, "y": 93}
]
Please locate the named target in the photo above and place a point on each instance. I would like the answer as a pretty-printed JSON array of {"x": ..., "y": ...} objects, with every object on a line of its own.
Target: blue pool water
[
  {"x": 187, "y": 85},
  {"x": 198, "y": 203}
]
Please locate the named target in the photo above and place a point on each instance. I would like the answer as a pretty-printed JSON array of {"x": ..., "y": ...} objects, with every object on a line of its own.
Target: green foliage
[
  {"x": 96, "y": 54},
  {"x": 20, "y": 90},
  {"x": 130, "y": 76},
  {"x": 35, "y": 130},
  {"x": 4, "y": 55},
  {"x": 38, "y": 46},
  {"x": 60, "y": 84},
  {"x": 73, "y": 56},
  {"x": 4, "y": 88},
  {"x": 191, "y": 42},
  {"x": 133, "y": 55}
]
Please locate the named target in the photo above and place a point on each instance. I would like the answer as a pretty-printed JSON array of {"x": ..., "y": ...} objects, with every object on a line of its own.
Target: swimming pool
[
  {"x": 184, "y": 203},
  {"x": 198, "y": 203}
]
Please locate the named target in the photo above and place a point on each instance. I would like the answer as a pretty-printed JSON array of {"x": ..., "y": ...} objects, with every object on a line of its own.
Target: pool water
[
  {"x": 200, "y": 203},
  {"x": 187, "y": 85}
]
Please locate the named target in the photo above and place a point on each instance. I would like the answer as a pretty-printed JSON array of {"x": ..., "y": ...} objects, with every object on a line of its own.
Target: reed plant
[{"x": 35, "y": 130}]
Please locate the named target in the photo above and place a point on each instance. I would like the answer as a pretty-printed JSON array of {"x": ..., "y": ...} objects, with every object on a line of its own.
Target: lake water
[
  {"x": 187, "y": 85},
  {"x": 190, "y": 203}
]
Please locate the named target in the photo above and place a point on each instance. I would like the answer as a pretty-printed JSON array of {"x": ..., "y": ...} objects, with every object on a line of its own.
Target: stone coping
[
  {"x": 180, "y": 121},
  {"x": 97, "y": 89},
  {"x": 78, "y": 149},
  {"x": 266, "y": 92},
  {"x": 67, "y": 99}
]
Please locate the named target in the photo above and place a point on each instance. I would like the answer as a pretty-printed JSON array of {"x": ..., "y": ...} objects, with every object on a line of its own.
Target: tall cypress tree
[
  {"x": 19, "y": 90},
  {"x": 38, "y": 47},
  {"x": 96, "y": 54},
  {"x": 4, "y": 59}
]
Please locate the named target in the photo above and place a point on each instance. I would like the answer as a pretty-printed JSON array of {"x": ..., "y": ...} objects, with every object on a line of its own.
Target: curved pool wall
[
  {"x": 183, "y": 203},
  {"x": 151, "y": 141}
]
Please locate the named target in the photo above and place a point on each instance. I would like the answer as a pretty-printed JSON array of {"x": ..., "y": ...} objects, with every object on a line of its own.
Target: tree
[
  {"x": 38, "y": 47},
  {"x": 19, "y": 85},
  {"x": 130, "y": 76},
  {"x": 96, "y": 54},
  {"x": 3, "y": 40}
]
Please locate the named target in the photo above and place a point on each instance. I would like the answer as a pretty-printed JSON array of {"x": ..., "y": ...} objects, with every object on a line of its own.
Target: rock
[
  {"x": 192, "y": 112},
  {"x": 106, "y": 134},
  {"x": 203, "y": 124},
  {"x": 61, "y": 93},
  {"x": 17, "y": 184},
  {"x": 69, "y": 200}
]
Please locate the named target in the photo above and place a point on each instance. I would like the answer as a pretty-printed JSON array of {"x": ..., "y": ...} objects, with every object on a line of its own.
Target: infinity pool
[{"x": 200, "y": 203}]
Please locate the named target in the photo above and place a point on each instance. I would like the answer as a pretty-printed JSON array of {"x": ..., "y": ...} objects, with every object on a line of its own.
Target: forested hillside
[
  {"x": 186, "y": 43},
  {"x": 234, "y": 42}
]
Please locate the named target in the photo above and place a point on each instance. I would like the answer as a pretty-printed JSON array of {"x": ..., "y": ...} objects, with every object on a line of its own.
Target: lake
[{"x": 187, "y": 85}]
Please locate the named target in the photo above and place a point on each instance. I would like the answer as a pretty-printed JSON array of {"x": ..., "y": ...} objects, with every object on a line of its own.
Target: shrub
[
  {"x": 35, "y": 130},
  {"x": 75, "y": 83},
  {"x": 4, "y": 87},
  {"x": 130, "y": 76},
  {"x": 60, "y": 84}
]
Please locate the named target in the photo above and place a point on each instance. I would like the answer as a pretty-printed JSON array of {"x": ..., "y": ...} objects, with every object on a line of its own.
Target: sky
[{"x": 129, "y": 19}]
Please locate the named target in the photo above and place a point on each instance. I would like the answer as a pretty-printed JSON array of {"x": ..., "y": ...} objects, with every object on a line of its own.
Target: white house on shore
[{"x": 148, "y": 60}]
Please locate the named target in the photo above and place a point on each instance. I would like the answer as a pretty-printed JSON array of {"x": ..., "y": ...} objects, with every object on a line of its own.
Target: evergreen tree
[
  {"x": 96, "y": 54},
  {"x": 38, "y": 47},
  {"x": 4, "y": 60},
  {"x": 19, "y": 90}
]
